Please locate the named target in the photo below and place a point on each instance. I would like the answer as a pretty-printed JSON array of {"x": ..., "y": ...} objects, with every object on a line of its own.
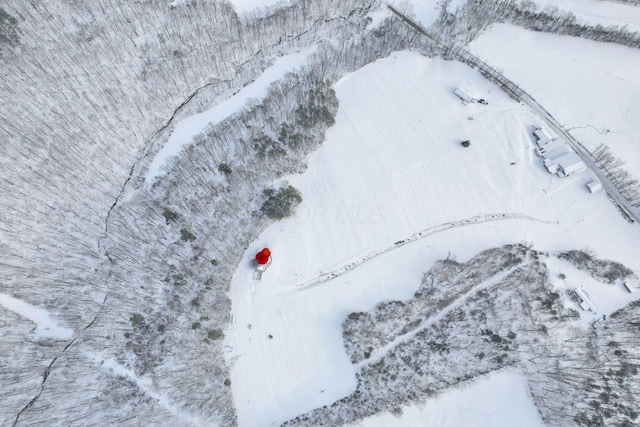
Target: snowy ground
[
  {"x": 498, "y": 399},
  {"x": 590, "y": 87},
  {"x": 426, "y": 11},
  {"x": 606, "y": 297},
  {"x": 46, "y": 327},
  {"x": 393, "y": 166}
]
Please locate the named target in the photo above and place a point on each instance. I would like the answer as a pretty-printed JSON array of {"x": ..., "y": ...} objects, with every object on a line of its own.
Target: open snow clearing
[
  {"x": 517, "y": 92},
  {"x": 393, "y": 166}
]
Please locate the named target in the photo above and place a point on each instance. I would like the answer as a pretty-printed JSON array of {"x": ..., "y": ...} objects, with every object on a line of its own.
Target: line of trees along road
[{"x": 451, "y": 49}]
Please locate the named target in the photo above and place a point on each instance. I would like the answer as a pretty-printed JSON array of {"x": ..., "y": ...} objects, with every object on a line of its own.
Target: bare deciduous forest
[
  {"x": 140, "y": 271},
  {"x": 495, "y": 311}
]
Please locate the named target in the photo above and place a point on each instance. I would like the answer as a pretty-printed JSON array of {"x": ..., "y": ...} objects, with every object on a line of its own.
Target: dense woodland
[
  {"x": 498, "y": 310},
  {"x": 90, "y": 93},
  {"x": 89, "y": 97}
]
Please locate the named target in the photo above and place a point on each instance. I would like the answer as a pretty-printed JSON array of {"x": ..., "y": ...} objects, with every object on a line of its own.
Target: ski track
[{"x": 478, "y": 219}]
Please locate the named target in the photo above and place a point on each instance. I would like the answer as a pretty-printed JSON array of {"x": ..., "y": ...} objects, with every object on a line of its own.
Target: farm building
[
  {"x": 553, "y": 149},
  {"x": 594, "y": 186},
  {"x": 563, "y": 161},
  {"x": 628, "y": 287},
  {"x": 551, "y": 166},
  {"x": 558, "y": 156},
  {"x": 585, "y": 302},
  {"x": 570, "y": 163},
  {"x": 543, "y": 136},
  {"x": 464, "y": 96}
]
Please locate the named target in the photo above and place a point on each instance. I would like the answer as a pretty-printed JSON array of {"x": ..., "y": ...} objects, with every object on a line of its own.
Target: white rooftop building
[
  {"x": 569, "y": 163},
  {"x": 563, "y": 161},
  {"x": 553, "y": 149},
  {"x": 594, "y": 186},
  {"x": 551, "y": 166},
  {"x": 628, "y": 287},
  {"x": 464, "y": 96},
  {"x": 585, "y": 303},
  {"x": 543, "y": 136}
]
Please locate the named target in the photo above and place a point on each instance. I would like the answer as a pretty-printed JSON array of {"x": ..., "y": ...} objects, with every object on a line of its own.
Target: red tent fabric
[{"x": 262, "y": 257}]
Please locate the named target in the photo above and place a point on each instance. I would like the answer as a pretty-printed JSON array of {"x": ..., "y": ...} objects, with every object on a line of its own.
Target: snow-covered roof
[
  {"x": 554, "y": 149},
  {"x": 570, "y": 163},
  {"x": 463, "y": 95},
  {"x": 586, "y": 303},
  {"x": 551, "y": 166},
  {"x": 543, "y": 136},
  {"x": 594, "y": 186}
]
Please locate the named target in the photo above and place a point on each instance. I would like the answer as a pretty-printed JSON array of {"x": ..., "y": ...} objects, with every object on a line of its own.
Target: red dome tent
[{"x": 263, "y": 258}]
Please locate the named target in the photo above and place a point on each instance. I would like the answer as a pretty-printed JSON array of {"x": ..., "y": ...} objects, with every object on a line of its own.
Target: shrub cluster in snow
[
  {"x": 603, "y": 270},
  {"x": 280, "y": 202}
]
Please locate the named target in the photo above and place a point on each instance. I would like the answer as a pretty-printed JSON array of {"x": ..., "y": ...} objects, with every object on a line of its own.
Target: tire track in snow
[{"x": 478, "y": 219}]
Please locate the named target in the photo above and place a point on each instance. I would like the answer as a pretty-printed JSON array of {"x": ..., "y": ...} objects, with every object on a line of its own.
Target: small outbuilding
[
  {"x": 585, "y": 302},
  {"x": 569, "y": 163},
  {"x": 551, "y": 166},
  {"x": 543, "y": 136},
  {"x": 594, "y": 186},
  {"x": 464, "y": 96},
  {"x": 628, "y": 287}
]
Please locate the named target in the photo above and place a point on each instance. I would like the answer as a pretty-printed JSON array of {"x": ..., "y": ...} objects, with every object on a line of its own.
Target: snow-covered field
[
  {"x": 499, "y": 399},
  {"x": 393, "y": 166},
  {"x": 592, "y": 88}
]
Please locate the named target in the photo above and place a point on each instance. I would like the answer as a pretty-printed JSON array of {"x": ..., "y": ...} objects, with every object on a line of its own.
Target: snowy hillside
[
  {"x": 393, "y": 166},
  {"x": 426, "y": 267}
]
